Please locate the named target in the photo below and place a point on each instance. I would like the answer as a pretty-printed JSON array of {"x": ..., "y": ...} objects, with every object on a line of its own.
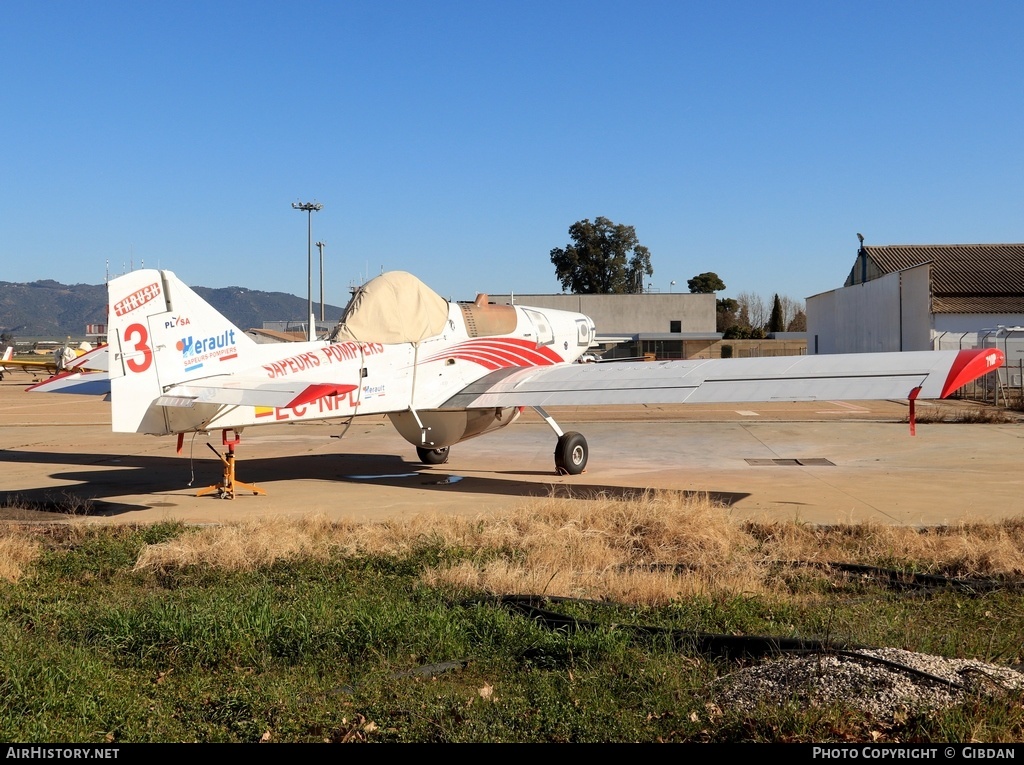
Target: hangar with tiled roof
[{"x": 920, "y": 297}]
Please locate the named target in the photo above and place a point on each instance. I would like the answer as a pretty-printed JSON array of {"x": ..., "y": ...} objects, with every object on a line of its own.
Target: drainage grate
[{"x": 808, "y": 462}]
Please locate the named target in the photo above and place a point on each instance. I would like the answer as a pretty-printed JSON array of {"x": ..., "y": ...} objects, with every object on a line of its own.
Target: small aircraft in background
[
  {"x": 8, "y": 355},
  {"x": 441, "y": 371},
  {"x": 51, "y": 365}
]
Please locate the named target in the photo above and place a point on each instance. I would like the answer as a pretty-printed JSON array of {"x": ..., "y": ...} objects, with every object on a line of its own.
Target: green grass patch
[{"x": 355, "y": 647}]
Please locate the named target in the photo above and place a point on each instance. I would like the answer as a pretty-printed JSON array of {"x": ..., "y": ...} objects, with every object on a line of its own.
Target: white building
[
  {"x": 676, "y": 325},
  {"x": 920, "y": 297}
]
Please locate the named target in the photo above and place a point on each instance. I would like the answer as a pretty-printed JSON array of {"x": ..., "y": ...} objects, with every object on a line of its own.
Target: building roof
[
  {"x": 957, "y": 269},
  {"x": 679, "y": 336},
  {"x": 978, "y": 304},
  {"x": 965, "y": 278}
]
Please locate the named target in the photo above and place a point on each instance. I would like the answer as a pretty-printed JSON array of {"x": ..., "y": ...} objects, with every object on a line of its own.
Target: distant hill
[{"x": 53, "y": 310}]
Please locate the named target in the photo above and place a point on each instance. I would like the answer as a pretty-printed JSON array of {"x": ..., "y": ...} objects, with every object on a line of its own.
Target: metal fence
[
  {"x": 1003, "y": 387},
  {"x": 1000, "y": 388}
]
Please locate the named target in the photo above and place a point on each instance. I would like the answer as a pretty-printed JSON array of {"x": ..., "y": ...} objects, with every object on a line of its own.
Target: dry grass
[
  {"x": 596, "y": 547},
  {"x": 965, "y": 413},
  {"x": 647, "y": 549},
  {"x": 244, "y": 545},
  {"x": 18, "y": 549},
  {"x": 249, "y": 544},
  {"x": 967, "y": 549},
  {"x": 626, "y": 550}
]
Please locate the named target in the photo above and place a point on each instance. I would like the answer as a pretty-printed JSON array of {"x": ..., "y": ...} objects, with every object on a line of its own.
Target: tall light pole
[
  {"x": 320, "y": 246},
  {"x": 309, "y": 208}
]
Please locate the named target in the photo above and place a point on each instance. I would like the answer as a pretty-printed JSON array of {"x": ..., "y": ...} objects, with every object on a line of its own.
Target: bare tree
[
  {"x": 755, "y": 308},
  {"x": 749, "y": 313},
  {"x": 798, "y": 323},
  {"x": 790, "y": 308}
]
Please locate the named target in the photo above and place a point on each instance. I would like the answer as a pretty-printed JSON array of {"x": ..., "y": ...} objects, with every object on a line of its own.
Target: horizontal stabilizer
[
  {"x": 81, "y": 383},
  {"x": 96, "y": 360},
  {"x": 245, "y": 391}
]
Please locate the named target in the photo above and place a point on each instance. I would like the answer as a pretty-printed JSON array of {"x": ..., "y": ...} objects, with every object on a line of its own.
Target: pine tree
[{"x": 777, "y": 323}]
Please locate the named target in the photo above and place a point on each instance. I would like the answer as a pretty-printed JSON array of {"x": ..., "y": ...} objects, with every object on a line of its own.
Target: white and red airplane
[{"x": 442, "y": 372}]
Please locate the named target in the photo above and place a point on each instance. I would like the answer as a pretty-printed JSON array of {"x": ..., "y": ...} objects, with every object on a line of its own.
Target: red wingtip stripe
[
  {"x": 314, "y": 392},
  {"x": 969, "y": 366}
]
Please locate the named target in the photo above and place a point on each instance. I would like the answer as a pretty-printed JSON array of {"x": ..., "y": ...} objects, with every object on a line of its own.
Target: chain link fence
[{"x": 1002, "y": 387}]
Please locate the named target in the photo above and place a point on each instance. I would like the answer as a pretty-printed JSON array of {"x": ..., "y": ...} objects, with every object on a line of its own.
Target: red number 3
[{"x": 139, "y": 331}]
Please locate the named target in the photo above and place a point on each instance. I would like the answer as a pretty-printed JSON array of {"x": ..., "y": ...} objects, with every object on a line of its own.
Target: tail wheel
[
  {"x": 571, "y": 454},
  {"x": 432, "y": 456}
]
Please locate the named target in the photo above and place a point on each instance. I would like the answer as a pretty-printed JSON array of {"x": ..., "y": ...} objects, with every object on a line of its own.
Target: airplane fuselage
[{"x": 408, "y": 381}]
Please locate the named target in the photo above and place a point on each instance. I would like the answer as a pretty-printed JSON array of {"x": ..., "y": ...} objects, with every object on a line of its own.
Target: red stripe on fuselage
[
  {"x": 496, "y": 353},
  {"x": 531, "y": 355},
  {"x": 483, "y": 361},
  {"x": 503, "y": 357}
]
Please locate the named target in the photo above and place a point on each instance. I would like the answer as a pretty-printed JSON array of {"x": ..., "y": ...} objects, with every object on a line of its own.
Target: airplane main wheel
[
  {"x": 571, "y": 454},
  {"x": 432, "y": 456}
]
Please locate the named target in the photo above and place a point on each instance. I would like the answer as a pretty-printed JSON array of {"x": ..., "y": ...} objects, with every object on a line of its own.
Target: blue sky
[{"x": 460, "y": 140}]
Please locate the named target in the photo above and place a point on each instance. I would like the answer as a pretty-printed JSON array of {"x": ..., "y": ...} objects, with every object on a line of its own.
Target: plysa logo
[{"x": 137, "y": 299}]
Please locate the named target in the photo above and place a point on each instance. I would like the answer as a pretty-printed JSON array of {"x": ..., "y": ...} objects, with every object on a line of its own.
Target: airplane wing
[
  {"x": 859, "y": 376},
  {"x": 85, "y": 375},
  {"x": 233, "y": 390},
  {"x": 29, "y": 365}
]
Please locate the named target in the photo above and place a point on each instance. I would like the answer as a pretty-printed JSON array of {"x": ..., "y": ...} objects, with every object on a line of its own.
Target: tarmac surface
[{"x": 812, "y": 462}]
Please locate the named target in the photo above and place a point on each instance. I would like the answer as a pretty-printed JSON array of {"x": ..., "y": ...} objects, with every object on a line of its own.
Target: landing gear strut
[
  {"x": 571, "y": 450},
  {"x": 226, "y": 489}
]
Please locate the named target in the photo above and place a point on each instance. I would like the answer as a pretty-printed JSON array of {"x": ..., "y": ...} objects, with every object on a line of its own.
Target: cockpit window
[
  {"x": 583, "y": 337},
  {"x": 545, "y": 335}
]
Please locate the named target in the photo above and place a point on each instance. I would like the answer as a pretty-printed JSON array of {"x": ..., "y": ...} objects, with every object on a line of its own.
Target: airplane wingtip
[{"x": 969, "y": 365}]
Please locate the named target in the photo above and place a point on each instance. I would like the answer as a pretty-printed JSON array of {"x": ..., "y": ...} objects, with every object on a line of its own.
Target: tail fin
[
  {"x": 8, "y": 354},
  {"x": 161, "y": 333}
]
